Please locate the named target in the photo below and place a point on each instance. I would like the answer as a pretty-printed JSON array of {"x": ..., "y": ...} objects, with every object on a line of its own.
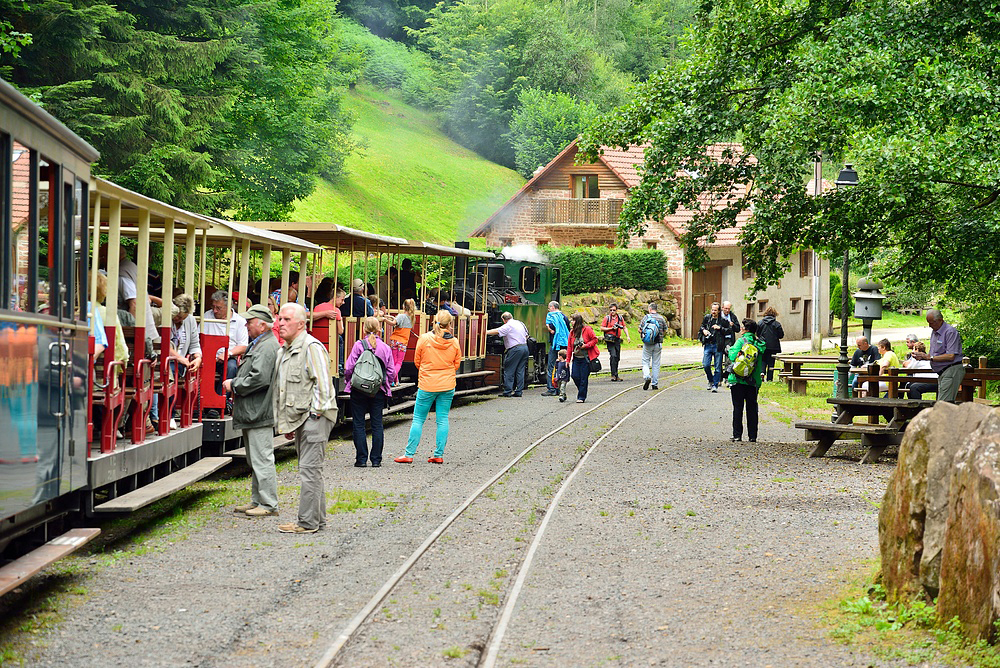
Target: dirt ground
[{"x": 672, "y": 547}]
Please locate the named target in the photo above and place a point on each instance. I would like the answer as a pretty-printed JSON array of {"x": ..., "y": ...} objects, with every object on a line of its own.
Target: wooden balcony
[{"x": 576, "y": 212}]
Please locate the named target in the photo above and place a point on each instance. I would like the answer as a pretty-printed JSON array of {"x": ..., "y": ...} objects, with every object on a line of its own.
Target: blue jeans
[
  {"x": 651, "y": 361},
  {"x": 360, "y": 405},
  {"x": 581, "y": 377},
  {"x": 442, "y": 404},
  {"x": 713, "y": 354},
  {"x": 553, "y": 358}
]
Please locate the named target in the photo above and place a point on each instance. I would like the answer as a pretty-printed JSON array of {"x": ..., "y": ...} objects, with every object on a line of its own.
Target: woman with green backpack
[{"x": 747, "y": 358}]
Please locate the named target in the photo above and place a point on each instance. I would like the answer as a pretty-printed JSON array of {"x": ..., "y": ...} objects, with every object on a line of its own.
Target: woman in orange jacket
[
  {"x": 437, "y": 359},
  {"x": 582, "y": 348}
]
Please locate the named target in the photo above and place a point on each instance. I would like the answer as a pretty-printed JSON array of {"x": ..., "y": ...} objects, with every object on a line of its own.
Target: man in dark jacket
[
  {"x": 771, "y": 332},
  {"x": 713, "y": 334},
  {"x": 253, "y": 411}
]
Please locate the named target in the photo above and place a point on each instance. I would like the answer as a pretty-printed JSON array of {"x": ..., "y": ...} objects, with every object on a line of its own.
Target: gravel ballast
[{"x": 673, "y": 546}]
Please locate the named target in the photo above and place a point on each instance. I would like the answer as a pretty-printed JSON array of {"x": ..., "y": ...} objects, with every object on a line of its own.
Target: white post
[{"x": 817, "y": 337}]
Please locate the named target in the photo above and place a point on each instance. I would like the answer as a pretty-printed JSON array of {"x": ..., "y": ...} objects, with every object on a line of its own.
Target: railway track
[{"x": 489, "y": 640}]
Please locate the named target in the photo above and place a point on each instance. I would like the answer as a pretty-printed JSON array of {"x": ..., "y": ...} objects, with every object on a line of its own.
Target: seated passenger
[
  {"x": 357, "y": 306},
  {"x": 863, "y": 356},
  {"x": 238, "y": 341},
  {"x": 917, "y": 390},
  {"x": 888, "y": 360},
  {"x": 184, "y": 338}
]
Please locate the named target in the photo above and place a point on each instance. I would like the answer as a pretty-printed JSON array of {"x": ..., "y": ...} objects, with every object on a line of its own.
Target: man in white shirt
[{"x": 238, "y": 337}]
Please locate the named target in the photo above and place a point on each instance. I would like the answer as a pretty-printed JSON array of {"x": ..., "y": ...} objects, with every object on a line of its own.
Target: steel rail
[
  {"x": 352, "y": 628},
  {"x": 500, "y": 628}
]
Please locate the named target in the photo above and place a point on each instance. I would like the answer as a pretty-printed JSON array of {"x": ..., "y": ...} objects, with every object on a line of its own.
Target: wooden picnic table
[
  {"x": 876, "y": 436},
  {"x": 798, "y": 370}
]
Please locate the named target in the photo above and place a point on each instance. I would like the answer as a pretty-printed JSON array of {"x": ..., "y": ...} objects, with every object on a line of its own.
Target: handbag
[
  {"x": 610, "y": 338},
  {"x": 595, "y": 365}
]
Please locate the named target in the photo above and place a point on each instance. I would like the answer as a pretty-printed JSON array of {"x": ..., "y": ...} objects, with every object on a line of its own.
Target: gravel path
[{"x": 673, "y": 547}]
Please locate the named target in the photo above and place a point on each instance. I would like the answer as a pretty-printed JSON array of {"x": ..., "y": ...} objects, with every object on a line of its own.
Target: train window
[
  {"x": 530, "y": 279},
  {"x": 81, "y": 249},
  {"x": 21, "y": 238},
  {"x": 47, "y": 248}
]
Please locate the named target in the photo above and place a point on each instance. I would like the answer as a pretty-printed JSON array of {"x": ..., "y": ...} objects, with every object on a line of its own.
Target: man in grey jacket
[{"x": 253, "y": 411}]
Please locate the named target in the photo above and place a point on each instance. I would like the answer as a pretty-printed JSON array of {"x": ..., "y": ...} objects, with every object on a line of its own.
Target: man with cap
[
  {"x": 253, "y": 410},
  {"x": 358, "y": 306}
]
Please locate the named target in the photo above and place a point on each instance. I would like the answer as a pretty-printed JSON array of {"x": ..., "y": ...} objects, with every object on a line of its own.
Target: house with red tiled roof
[{"x": 570, "y": 204}]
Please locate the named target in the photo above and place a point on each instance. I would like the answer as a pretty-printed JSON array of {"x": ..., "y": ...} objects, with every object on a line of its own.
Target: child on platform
[{"x": 560, "y": 375}]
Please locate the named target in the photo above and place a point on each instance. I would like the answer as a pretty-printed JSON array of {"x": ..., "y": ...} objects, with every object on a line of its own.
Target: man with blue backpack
[
  {"x": 651, "y": 329},
  {"x": 745, "y": 376}
]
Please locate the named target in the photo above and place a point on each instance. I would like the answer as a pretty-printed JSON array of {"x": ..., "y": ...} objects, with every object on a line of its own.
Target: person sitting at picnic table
[
  {"x": 917, "y": 390},
  {"x": 887, "y": 360},
  {"x": 865, "y": 354}
]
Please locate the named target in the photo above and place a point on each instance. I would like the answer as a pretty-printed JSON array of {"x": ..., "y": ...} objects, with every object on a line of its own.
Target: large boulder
[
  {"x": 970, "y": 563},
  {"x": 914, "y": 510}
]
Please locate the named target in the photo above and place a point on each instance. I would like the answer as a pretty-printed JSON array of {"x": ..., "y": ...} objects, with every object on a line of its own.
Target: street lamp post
[{"x": 848, "y": 178}]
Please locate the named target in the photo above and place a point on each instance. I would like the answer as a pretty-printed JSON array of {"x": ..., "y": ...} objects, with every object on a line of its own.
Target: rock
[
  {"x": 589, "y": 316},
  {"x": 675, "y": 324},
  {"x": 970, "y": 562},
  {"x": 914, "y": 509},
  {"x": 631, "y": 293}
]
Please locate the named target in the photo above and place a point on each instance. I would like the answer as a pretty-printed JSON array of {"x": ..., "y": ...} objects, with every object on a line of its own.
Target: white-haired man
[
  {"x": 515, "y": 359},
  {"x": 305, "y": 408}
]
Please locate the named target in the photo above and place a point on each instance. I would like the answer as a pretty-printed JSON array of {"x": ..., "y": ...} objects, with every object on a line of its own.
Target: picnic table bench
[
  {"x": 887, "y": 417},
  {"x": 798, "y": 370},
  {"x": 874, "y": 435}
]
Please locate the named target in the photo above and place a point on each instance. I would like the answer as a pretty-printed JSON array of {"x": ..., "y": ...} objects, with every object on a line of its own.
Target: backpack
[
  {"x": 650, "y": 330},
  {"x": 746, "y": 359},
  {"x": 369, "y": 372}
]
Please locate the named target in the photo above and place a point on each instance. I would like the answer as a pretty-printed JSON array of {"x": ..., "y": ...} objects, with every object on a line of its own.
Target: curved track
[{"x": 495, "y": 637}]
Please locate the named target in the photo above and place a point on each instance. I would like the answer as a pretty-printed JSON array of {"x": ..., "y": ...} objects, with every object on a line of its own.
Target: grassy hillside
[{"x": 409, "y": 179}]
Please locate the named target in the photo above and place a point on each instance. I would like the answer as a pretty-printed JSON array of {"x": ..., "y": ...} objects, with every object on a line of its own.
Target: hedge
[{"x": 586, "y": 269}]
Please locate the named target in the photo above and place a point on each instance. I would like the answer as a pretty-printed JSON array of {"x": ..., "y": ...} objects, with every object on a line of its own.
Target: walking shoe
[
  {"x": 516, "y": 395},
  {"x": 360, "y": 465},
  {"x": 294, "y": 528},
  {"x": 260, "y": 511},
  {"x": 646, "y": 382},
  {"x": 436, "y": 460},
  {"x": 403, "y": 460},
  {"x": 656, "y": 387},
  {"x": 735, "y": 439},
  {"x": 752, "y": 440},
  {"x": 710, "y": 387},
  {"x": 245, "y": 507},
  {"x": 550, "y": 393},
  {"x": 715, "y": 388},
  {"x": 579, "y": 401},
  {"x": 562, "y": 397},
  {"x": 505, "y": 394}
]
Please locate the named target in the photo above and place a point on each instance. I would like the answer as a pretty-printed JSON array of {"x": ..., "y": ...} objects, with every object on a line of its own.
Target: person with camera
[
  {"x": 714, "y": 331},
  {"x": 613, "y": 326}
]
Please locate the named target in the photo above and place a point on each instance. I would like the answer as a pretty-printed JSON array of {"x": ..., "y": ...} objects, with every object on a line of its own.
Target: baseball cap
[
  {"x": 259, "y": 312},
  {"x": 357, "y": 284}
]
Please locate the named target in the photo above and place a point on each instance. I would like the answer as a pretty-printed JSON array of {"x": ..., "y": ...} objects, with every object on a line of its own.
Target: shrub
[{"x": 587, "y": 269}]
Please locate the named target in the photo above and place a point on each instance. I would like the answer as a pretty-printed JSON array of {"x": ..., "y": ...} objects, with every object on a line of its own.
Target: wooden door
[{"x": 706, "y": 287}]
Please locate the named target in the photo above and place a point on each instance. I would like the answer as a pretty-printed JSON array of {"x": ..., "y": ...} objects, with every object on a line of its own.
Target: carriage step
[
  {"x": 16, "y": 572},
  {"x": 148, "y": 494},
  {"x": 241, "y": 453}
]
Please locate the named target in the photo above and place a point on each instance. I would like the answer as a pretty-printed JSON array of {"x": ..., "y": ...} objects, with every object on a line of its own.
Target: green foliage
[
  {"x": 215, "y": 107},
  {"x": 542, "y": 126},
  {"x": 980, "y": 327},
  {"x": 791, "y": 79},
  {"x": 410, "y": 180},
  {"x": 486, "y": 54},
  {"x": 595, "y": 269},
  {"x": 836, "y": 307}
]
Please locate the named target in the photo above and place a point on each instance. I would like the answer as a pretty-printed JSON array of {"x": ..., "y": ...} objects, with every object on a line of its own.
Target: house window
[
  {"x": 761, "y": 306},
  {"x": 750, "y": 310},
  {"x": 651, "y": 245},
  {"x": 796, "y": 305},
  {"x": 805, "y": 263},
  {"x": 543, "y": 242},
  {"x": 747, "y": 272},
  {"x": 585, "y": 186},
  {"x": 506, "y": 242},
  {"x": 597, "y": 243}
]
